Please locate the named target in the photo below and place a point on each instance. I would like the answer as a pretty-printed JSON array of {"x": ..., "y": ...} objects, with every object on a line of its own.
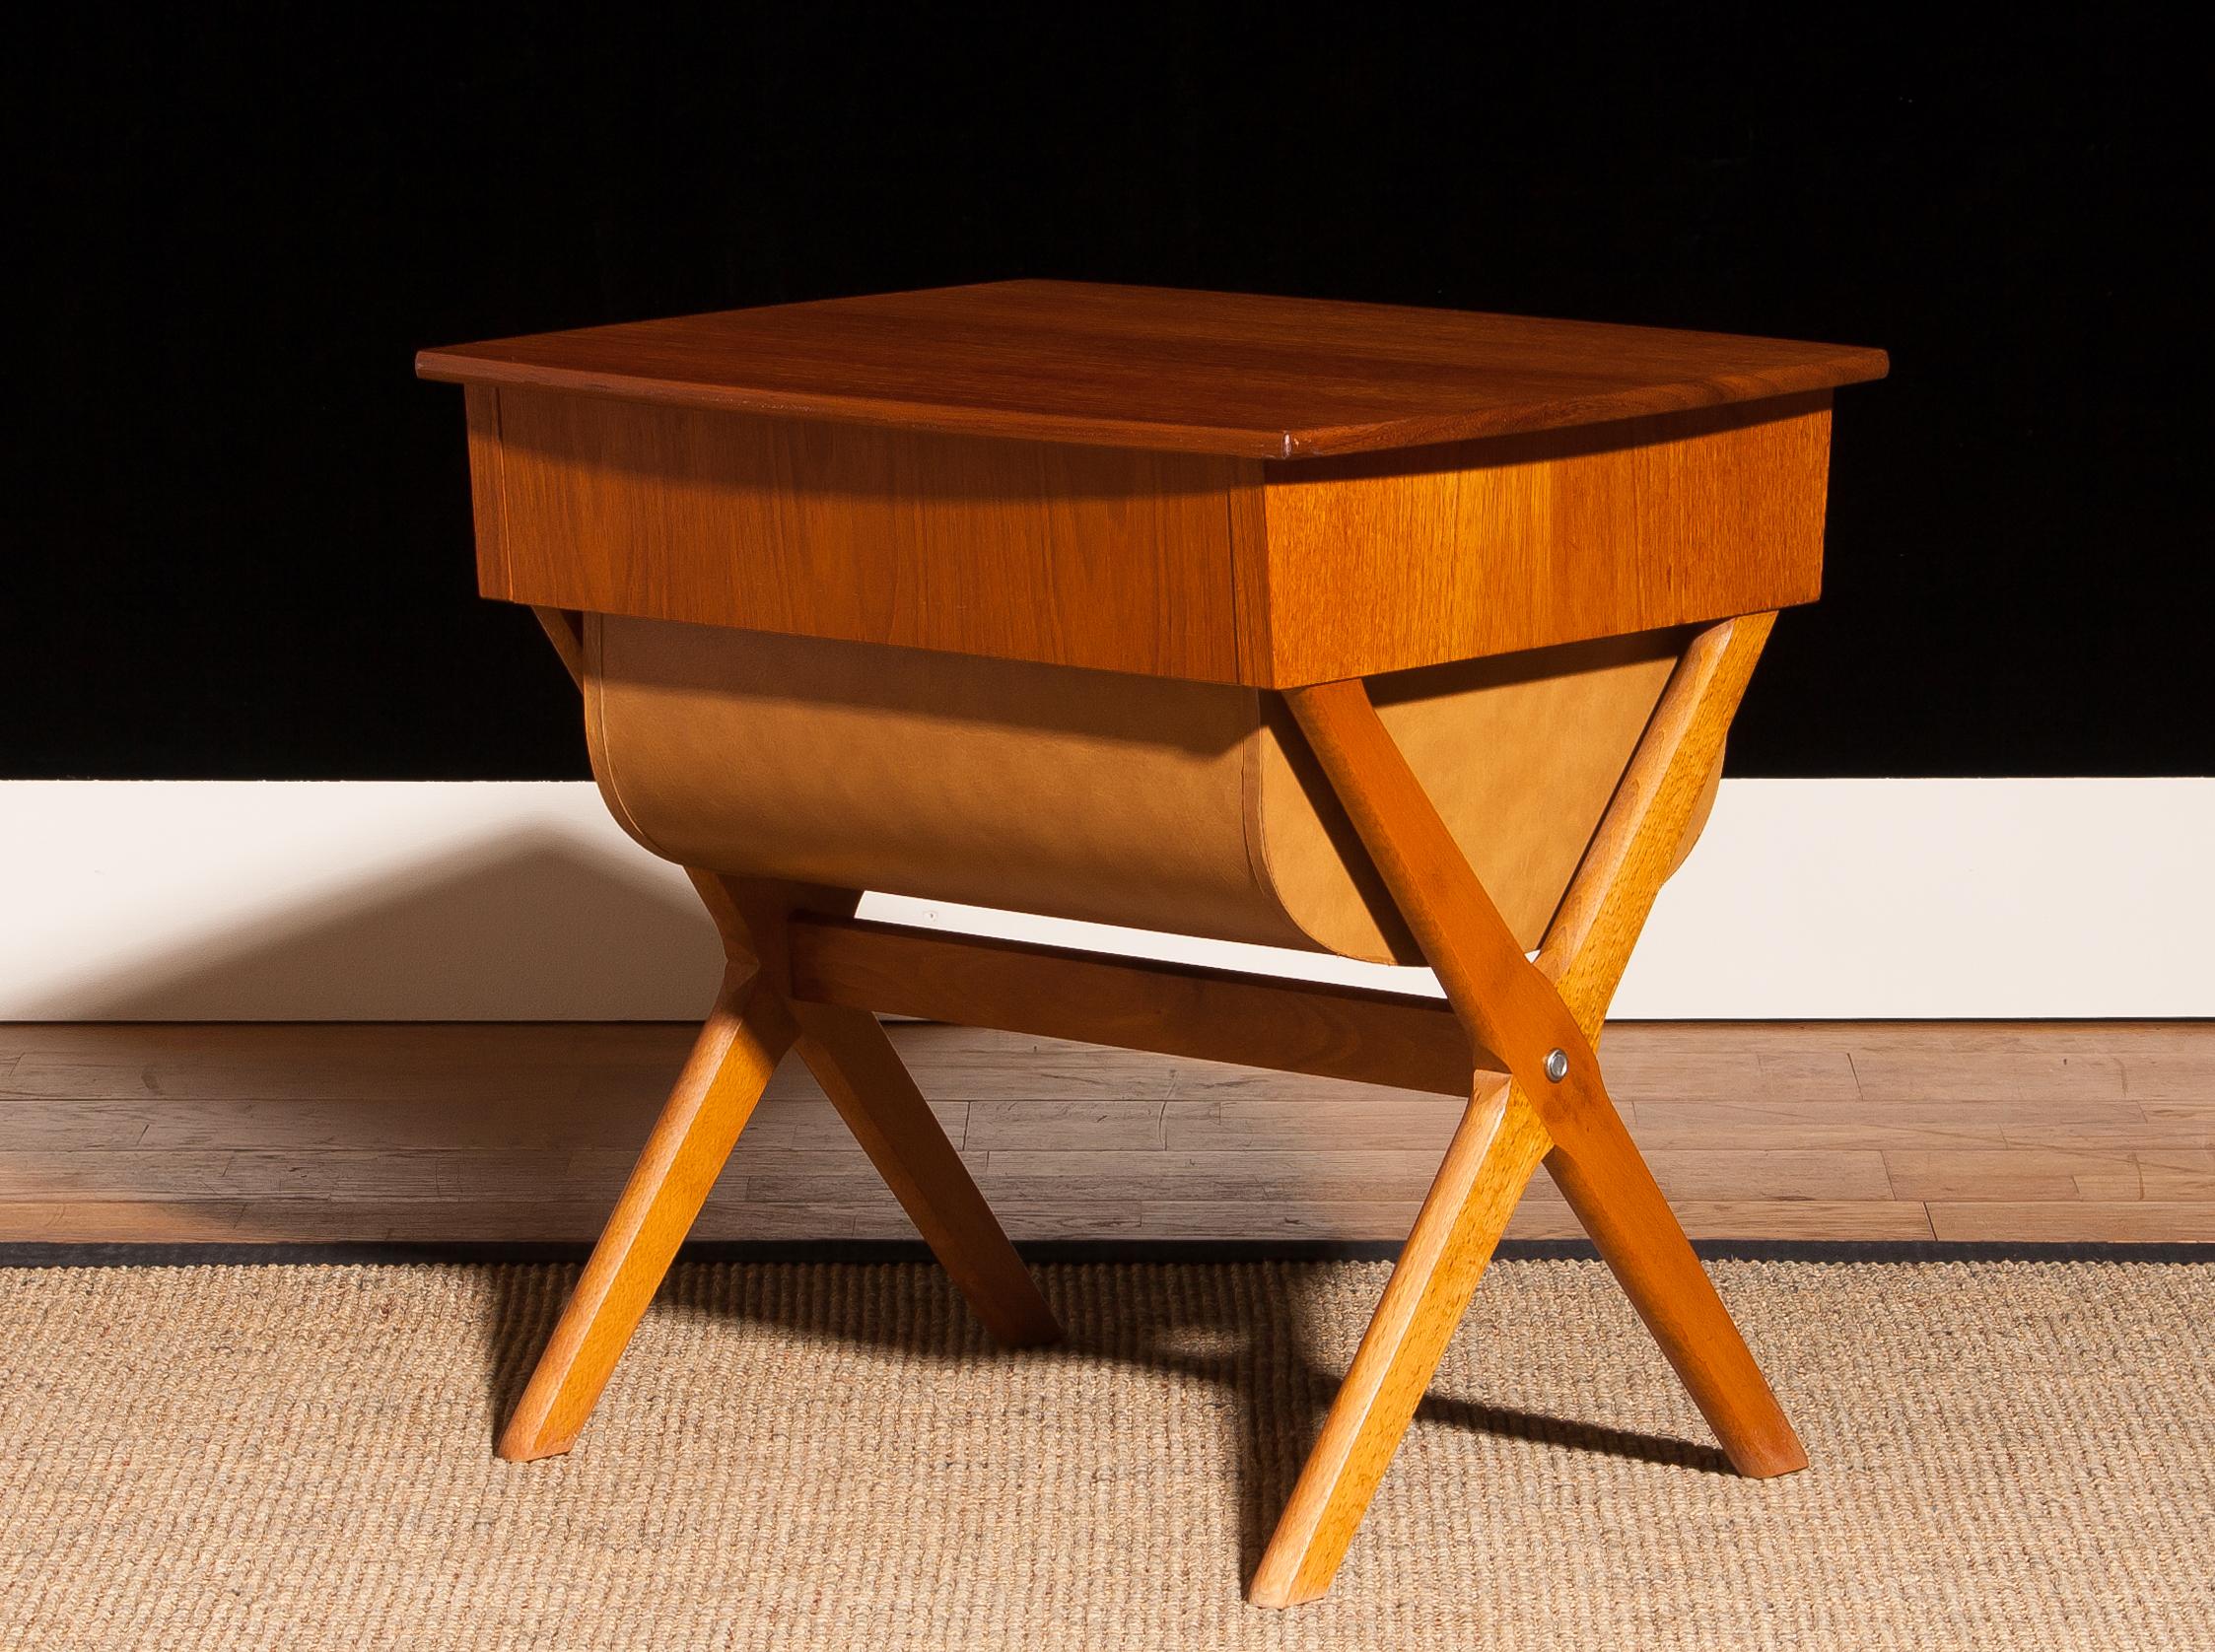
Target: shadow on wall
[{"x": 515, "y": 929}]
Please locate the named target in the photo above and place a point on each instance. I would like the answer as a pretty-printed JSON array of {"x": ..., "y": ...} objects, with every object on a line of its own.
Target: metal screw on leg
[{"x": 1557, "y": 1065}]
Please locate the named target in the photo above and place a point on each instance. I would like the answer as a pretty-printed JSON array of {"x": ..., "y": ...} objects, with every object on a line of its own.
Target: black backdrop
[{"x": 242, "y": 540}]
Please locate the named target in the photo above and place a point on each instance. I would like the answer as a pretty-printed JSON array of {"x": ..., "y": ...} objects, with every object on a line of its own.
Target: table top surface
[{"x": 1155, "y": 367}]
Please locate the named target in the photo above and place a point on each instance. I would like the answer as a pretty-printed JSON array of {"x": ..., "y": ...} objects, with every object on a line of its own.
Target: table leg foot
[
  {"x": 731, "y": 1063},
  {"x": 1496, "y": 1148},
  {"x": 1614, "y": 1195}
]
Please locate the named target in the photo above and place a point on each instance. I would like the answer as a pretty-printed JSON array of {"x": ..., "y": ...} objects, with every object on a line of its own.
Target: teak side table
[{"x": 1400, "y": 633}]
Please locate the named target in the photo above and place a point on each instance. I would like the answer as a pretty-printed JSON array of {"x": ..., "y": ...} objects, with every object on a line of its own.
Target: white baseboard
[{"x": 192, "y": 900}]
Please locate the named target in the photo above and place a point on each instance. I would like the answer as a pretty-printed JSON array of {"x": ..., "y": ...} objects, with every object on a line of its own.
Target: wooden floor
[{"x": 2008, "y": 1131}]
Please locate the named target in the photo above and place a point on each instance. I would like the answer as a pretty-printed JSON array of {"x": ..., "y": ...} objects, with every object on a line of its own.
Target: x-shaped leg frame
[
  {"x": 803, "y": 972},
  {"x": 1540, "y": 1019},
  {"x": 754, "y": 1022}
]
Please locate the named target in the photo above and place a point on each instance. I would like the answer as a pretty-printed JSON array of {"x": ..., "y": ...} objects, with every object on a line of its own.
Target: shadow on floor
[
  {"x": 534, "y": 905},
  {"x": 1254, "y": 1336}
]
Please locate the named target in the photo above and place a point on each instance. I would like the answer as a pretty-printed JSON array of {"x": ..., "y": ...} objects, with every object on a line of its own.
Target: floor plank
[
  {"x": 2069, "y": 1131},
  {"x": 2082, "y": 1220}
]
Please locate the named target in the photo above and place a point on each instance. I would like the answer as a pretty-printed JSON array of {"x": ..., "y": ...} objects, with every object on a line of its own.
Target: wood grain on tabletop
[{"x": 1236, "y": 374}]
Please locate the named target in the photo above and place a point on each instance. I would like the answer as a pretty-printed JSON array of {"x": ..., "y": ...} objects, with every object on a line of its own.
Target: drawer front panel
[{"x": 1100, "y": 556}]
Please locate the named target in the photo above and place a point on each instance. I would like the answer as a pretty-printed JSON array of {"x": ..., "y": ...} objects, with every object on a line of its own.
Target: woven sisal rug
[{"x": 2007, "y": 1454}]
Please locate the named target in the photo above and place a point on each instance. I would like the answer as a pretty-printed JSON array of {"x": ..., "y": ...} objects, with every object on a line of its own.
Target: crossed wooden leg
[
  {"x": 1538, "y": 1021},
  {"x": 752, "y": 1025},
  {"x": 1541, "y": 1020}
]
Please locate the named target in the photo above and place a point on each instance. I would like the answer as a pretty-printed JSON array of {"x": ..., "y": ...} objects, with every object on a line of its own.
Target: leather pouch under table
[{"x": 1156, "y": 803}]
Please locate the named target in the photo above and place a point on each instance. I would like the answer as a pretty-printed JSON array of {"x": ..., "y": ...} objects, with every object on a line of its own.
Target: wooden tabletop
[{"x": 1155, "y": 367}]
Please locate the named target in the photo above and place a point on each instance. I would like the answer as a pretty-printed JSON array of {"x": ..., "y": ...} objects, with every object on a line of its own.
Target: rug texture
[{"x": 2006, "y": 1454}]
